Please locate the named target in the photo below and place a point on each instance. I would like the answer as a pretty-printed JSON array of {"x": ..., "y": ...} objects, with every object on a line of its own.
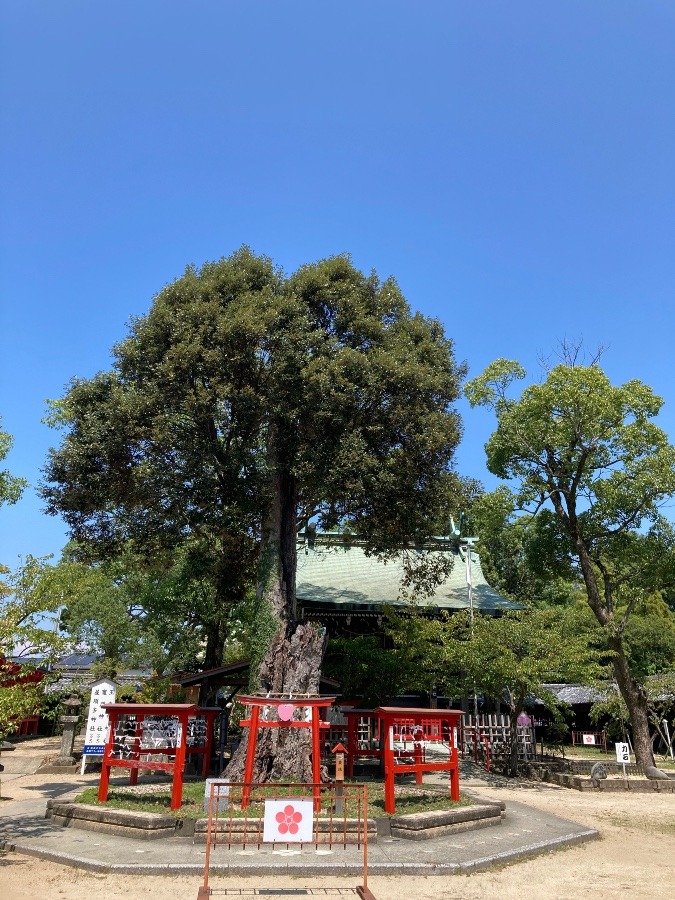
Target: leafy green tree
[
  {"x": 366, "y": 670},
  {"x": 131, "y": 617},
  {"x": 588, "y": 461},
  {"x": 26, "y": 640},
  {"x": 516, "y": 555},
  {"x": 11, "y": 487},
  {"x": 660, "y": 693},
  {"x": 246, "y": 403},
  {"x": 507, "y": 659},
  {"x": 650, "y": 638}
]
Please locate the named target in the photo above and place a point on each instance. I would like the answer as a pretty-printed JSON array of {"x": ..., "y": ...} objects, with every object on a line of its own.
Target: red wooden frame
[
  {"x": 180, "y": 711},
  {"x": 426, "y": 723},
  {"x": 255, "y": 722}
]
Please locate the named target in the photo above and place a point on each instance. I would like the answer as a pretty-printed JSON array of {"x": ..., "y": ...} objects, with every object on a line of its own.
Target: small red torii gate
[{"x": 285, "y": 710}]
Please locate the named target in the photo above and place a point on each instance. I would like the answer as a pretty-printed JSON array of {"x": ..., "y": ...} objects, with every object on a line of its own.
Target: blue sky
[{"x": 511, "y": 164}]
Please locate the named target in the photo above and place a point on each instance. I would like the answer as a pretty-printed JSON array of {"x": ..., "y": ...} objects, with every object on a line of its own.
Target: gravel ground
[{"x": 635, "y": 857}]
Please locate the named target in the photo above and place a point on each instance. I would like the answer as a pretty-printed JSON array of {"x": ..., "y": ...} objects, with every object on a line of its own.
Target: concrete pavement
[{"x": 24, "y": 829}]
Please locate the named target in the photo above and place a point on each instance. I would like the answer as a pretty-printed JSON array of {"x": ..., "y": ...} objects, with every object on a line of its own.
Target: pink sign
[
  {"x": 286, "y": 712},
  {"x": 288, "y": 821}
]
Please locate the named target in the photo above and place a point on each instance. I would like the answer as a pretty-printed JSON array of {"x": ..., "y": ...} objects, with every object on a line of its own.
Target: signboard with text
[
  {"x": 98, "y": 726},
  {"x": 622, "y": 753}
]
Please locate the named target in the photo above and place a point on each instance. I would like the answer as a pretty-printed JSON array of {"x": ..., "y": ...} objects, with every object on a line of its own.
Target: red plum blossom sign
[{"x": 288, "y": 820}]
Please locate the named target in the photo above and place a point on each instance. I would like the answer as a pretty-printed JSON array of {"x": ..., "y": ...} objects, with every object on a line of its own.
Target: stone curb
[
  {"x": 337, "y": 869},
  {"x": 615, "y": 785},
  {"x": 439, "y": 817},
  {"x": 63, "y": 812}
]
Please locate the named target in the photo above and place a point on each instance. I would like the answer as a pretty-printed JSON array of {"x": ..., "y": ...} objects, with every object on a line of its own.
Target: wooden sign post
[{"x": 339, "y": 752}]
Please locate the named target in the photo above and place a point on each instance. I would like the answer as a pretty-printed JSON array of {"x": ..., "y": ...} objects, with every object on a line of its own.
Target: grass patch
[
  {"x": 654, "y": 825},
  {"x": 156, "y": 798}
]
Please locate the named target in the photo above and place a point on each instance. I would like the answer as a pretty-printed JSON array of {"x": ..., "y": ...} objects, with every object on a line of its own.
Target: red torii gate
[{"x": 285, "y": 709}]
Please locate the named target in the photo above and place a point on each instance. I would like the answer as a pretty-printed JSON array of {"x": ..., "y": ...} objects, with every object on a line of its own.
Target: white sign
[
  {"x": 98, "y": 724},
  {"x": 288, "y": 821},
  {"x": 622, "y": 753},
  {"x": 589, "y": 739}
]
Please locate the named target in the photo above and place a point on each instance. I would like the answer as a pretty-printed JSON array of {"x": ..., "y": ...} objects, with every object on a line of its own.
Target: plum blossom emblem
[{"x": 289, "y": 818}]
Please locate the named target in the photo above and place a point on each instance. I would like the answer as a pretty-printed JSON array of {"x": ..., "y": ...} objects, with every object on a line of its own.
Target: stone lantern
[{"x": 69, "y": 721}]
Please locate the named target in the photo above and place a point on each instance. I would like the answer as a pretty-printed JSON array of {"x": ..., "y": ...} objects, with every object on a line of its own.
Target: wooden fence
[{"x": 488, "y": 737}]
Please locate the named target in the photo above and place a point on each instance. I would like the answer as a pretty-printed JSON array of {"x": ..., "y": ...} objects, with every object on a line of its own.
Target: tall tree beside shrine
[
  {"x": 11, "y": 487},
  {"x": 246, "y": 403},
  {"x": 593, "y": 469}
]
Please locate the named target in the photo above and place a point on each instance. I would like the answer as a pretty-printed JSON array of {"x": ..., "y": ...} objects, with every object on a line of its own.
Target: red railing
[{"x": 254, "y": 814}]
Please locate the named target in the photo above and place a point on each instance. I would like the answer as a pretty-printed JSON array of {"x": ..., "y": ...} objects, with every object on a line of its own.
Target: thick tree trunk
[
  {"x": 215, "y": 646},
  {"x": 636, "y": 701},
  {"x": 632, "y": 692},
  {"x": 292, "y": 664},
  {"x": 278, "y": 554}
]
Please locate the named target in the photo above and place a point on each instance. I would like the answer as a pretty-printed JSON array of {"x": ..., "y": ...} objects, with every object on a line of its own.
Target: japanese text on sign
[
  {"x": 98, "y": 725},
  {"x": 622, "y": 753}
]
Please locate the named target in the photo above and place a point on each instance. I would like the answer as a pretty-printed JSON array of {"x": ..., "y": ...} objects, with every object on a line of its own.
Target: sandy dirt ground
[{"x": 635, "y": 857}]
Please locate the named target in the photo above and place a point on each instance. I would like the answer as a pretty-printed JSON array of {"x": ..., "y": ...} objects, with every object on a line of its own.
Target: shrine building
[{"x": 341, "y": 586}]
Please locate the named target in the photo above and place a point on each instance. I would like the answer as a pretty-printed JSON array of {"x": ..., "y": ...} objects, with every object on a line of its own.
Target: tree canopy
[
  {"x": 11, "y": 487},
  {"x": 586, "y": 459},
  {"x": 506, "y": 659},
  {"x": 26, "y": 640},
  {"x": 247, "y": 402}
]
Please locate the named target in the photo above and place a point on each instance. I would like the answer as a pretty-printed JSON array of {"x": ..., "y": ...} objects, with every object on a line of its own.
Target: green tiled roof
[{"x": 343, "y": 578}]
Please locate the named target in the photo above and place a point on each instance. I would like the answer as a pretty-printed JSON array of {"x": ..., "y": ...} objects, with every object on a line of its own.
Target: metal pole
[{"x": 469, "y": 581}]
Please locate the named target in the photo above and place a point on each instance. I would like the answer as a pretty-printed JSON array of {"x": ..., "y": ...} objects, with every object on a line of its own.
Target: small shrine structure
[
  {"x": 299, "y": 711},
  {"x": 140, "y": 732},
  {"x": 423, "y": 728}
]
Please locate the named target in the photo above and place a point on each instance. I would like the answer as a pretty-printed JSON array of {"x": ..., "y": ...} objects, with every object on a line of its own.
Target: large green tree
[
  {"x": 246, "y": 402},
  {"x": 506, "y": 659},
  {"x": 11, "y": 487},
  {"x": 585, "y": 457}
]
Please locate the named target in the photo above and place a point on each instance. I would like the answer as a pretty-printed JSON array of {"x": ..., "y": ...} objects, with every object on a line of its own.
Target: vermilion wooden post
[
  {"x": 388, "y": 737},
  {"x": 316, "y": 757},
  {"x": 352, "y": 743},
  {"x": 105, "y": 768},
  {"x": 454, "y": 772},
  {"x": 209, "y": 743},
  {"x": 250, "y": 755},
  {"x": 178, "y": 772},
  {"x": 417, "y": 749}
]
